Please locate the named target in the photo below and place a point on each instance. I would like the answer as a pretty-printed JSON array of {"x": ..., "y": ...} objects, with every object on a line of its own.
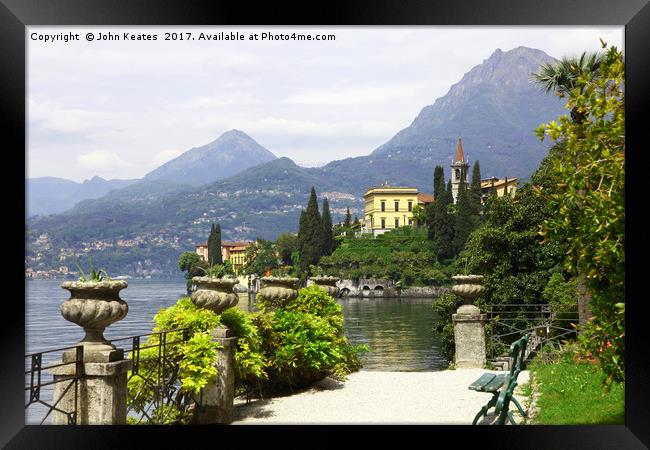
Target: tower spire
[{"x": 459, "y": 150}]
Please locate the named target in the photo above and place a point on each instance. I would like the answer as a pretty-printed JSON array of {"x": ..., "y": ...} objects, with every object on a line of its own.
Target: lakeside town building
[
  {"x": 391, "y": 207},
  {"x": 501, "y": 186},
  {"x": 235, "y": 252}
]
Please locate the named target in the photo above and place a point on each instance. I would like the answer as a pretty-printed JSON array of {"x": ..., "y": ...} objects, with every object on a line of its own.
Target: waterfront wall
[{"x": 377, "y": 287}]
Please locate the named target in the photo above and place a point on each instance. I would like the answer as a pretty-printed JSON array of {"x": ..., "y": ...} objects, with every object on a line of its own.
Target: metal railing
[
  {"x": 154, "y": 388},
  {"x": 40, "y": 382},
  {"x": 550, "y": 330}
]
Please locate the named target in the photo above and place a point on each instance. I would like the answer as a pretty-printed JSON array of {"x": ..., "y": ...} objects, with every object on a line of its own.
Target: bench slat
[
  {"x": 482, "y": 381},
  {"x": 495, "y": 384}
]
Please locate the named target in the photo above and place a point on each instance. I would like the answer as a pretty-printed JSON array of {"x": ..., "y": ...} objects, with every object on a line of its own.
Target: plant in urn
[
  {"x": 328, "y": 283},
  {"x": 94, "y": 304},
  {"x": 215, "y": 290},
  {"x": 276, "y": 292},
  {"x": 468, "y": 287}
]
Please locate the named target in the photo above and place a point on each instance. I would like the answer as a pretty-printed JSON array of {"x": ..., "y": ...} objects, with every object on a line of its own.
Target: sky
[{"x": 121, "y": 108}]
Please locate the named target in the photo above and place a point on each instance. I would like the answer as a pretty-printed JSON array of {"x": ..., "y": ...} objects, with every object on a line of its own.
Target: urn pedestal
[
  {"x": 469, "y": 323},
  {"x": 216, "y": 404},
  {"x": 94, "y": 305}
]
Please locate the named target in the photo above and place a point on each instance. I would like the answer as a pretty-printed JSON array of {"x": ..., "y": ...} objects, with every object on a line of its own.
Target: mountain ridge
[{"x": 496, "y": 114}]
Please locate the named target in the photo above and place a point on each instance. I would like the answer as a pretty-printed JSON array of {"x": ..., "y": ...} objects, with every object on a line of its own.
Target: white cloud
[
  {"x": 101, "y": 160},
  {"x": 355, "y": 95},
  {"x": 57, "y": 117},
  {"x": 93, "y": 106}
]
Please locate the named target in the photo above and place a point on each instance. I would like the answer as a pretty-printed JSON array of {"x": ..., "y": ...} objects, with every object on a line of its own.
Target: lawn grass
[{"x": 571, "y": 393}]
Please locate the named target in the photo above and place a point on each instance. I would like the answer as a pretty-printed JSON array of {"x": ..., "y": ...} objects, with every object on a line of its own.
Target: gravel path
[{"x": 380, "y": 398}]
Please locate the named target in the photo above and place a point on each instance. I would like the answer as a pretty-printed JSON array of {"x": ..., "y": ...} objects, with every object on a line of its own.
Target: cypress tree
[
  {"x": 442, "y": 227},
  {"x": 505, "y": 187},
  {"x": 476, "y": 178},
  {"x": 475, "y": 189},
  {"x": 214, "y": 245},
  {"x": 466, "y": 218},
  {"x": 348, "y": 219},
  {"x": 438, "y": 181},
  {"x": 327, "y": 236},
  {"x": 311, "y": 237}
]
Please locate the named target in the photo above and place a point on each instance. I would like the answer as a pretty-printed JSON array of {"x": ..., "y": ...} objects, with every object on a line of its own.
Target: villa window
[
  {"x": 383, "y": 223},
  {"x": 410, "y": 221},
  {"x": 396, "y": 222},
  {"x": 410, "y": 206},
  {"x": 397, "y": 205},
  {"x": 383, "y": 206}
]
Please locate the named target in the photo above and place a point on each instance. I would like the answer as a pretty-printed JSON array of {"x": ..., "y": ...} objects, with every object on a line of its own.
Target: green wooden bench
[{"x": 502, "y": 386}]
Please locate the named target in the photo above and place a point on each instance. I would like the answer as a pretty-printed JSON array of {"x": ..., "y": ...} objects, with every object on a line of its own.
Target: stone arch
[
  {"x": 379, "y": 288},
  {"x": 344, "y": 292}
]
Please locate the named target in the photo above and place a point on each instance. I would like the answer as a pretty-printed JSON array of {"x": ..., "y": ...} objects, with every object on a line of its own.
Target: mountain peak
[
  {"x": 232, "y": 152},
  {"x": 496, "y": 105}
]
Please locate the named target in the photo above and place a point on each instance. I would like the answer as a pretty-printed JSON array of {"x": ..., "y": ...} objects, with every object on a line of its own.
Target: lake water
[{"x": 398, "y": 332}]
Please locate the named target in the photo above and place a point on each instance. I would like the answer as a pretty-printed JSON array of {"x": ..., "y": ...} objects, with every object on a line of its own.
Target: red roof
[{"x": 425, "y": 198}]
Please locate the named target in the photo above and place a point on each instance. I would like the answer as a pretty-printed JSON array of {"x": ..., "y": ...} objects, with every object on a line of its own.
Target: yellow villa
[
  {"x": 499, "y": 186},
  {"x": 235, "y": 252},
  {"x": 389, "y": 207}
]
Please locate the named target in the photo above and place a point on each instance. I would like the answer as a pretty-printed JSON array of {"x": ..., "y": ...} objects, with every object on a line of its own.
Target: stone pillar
[
  {"x": 101, "y": 393},
  {"x": 101, "y": 369},
  {"x": 469, "y": 323},
  {"x": 469, "y": 335},
  {"x": 218, "y": 397}
]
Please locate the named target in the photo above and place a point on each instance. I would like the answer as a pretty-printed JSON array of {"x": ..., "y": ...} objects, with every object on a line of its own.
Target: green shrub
[
  {"x": 304, "y": 341},
  {"x": 193, "y": 357},
  {"x": 445, "y": 306},
  {"x": 276, "y": 351}
]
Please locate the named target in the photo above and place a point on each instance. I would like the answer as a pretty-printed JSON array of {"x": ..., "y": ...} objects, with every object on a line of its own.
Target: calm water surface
[{"x": 397, "y": 331}]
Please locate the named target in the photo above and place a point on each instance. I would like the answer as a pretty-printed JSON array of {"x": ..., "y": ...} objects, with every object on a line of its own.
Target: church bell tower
[{"x": 459, "y": 170}]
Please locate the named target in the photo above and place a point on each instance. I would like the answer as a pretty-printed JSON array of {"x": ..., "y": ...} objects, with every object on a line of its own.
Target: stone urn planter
[
  {"x": 468, "y": 287},
  {"x": 328, "y": 283},
  {"x": 215, "y": 294},
  {"x": 278, "y": 291},
  {"x": 94, "y": 305}
]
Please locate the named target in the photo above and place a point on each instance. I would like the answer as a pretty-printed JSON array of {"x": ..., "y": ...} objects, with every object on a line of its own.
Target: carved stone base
[{"x": 469, "y": 335}]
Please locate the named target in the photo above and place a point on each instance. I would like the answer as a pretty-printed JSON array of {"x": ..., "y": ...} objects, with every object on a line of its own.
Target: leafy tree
[
  {"x": 328, "y": 243},
  {"x": 261, "y": 257},
  {"x": 310, "y": 234},
  {"x": 570, "y": 76},
  {"x": 506, "y": 249},
  {"x": 420, "y": 215},
  {"x": 193, "y": 266},
  {"x": 590, "y": 203},
  {"x": 214, "y": 245},
  {"x": 286, "y": 244},
  {"x": 438, "y": 181}
]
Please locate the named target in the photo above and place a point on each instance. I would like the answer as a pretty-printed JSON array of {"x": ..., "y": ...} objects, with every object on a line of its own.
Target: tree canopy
[{"x": 590, "y": 204}]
